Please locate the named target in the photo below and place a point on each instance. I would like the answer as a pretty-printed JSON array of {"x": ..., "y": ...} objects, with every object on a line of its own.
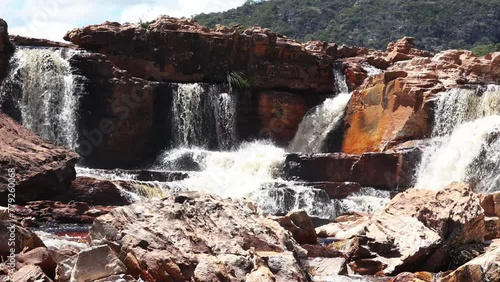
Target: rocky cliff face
[
  {"x": 176, "y": 50},
  {"x": 396, "y": 106}
]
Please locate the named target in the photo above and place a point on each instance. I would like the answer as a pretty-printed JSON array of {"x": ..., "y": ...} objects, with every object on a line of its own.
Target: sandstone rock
[
  {"x": 40, "y": 257},
  {"x": 492, "y": 226},
  {"x": 391, "y": 244},
  {"x": 336, "y": 190},
  {"x": 185, "y": 51},
  {"x": 190, "y": 235},
  {"x": 483, "y": 268},
  {"x": 38, "y": 42},
  {"x": 118, "y": 131},
  {"x": 30, "y": 273},
  {"x": 491, "y": 204},
  {"x": 344, "y": 227},
  {"x": 413, "y": 277},
  {"x": 389, "y": 171},
  {"x": 321, "y": 268},
  {"x": 57, "y": 212},
  {"x": 300, "y": 225},
  {"x": 40, "y": 169},
  {"x": 99, "y": 262},
  {"x": 396, "y": 106},
  {"x": 280, "y": 114},
  {"x": 454, "y": 213},
  {"x": 95, "y": 192},
  {"x": 25, "y": 240}
]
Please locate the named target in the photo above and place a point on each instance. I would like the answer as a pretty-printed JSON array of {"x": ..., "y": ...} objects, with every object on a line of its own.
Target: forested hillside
[{"x": 438, "y": 25}]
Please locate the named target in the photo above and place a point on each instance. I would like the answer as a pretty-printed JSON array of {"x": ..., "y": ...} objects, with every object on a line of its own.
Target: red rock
[
  {"x": 95, "y": 192},
  {"x": 25, "y": 240},
  {"x": 280, "y": 114},
  {"x": 59, "y": 212},
  {"x": 336, "y": 190},
  {"x": 300, "y": 225},
  {"x": 388, "y": 171},
  {"x": 413, "y": 277},
  {"x": 30, "y": 273},
  {"x": 40, "y": 257},
  {"x": 491, "y": 204},
  {"x": 38, "y": 42},
  {"x": 41, "y": 170},
  {"x": 184, "y": 51}
]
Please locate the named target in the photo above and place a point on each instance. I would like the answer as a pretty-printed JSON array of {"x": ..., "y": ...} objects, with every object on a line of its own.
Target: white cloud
[{"x": 51, "y": 19}]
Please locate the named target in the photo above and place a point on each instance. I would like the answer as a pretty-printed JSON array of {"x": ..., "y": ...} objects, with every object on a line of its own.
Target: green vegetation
[
  {"x": 238, "y": 80},
  {"x": 437, "y": 25}
]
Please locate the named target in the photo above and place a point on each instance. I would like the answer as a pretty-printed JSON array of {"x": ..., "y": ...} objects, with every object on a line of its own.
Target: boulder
[
  {"x": 99, "y": 262},
  {"x": 96, "y": 192},
  {"x": 38, "y": 169},
  {"x": 483, "y": 268},
  {"x": 40, "y": 257},
  {"x": 24, "y": 239},
  {"x": 199, "y": 236},
  {"x": 300, "y": 225},
  {"x": 30, "y": 273}
]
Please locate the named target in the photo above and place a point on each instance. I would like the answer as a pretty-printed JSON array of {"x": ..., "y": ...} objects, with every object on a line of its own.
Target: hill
[{"x": 438, "y": 25}]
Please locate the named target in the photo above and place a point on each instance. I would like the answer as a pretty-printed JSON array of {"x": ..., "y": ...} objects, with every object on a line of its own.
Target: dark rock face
[
  {"x": 40, "y": 170},
  {"x": 6, "y": 49},
  {"x": 387, "y": 171}
]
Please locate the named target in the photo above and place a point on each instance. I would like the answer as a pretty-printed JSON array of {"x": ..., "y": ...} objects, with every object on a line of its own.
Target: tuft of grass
[{"x": 238, "y": 80}]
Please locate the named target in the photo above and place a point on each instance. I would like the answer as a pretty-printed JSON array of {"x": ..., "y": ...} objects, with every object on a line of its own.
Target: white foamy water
[
  {"x": 42, "y": 87},
  {"x": 252, "y": 171},
  {"x": 371, "y": 70},
  {"x": 368, "y": 200},
  {"x": 465, "y": 145},
  {"x": 318, "y": 123}
]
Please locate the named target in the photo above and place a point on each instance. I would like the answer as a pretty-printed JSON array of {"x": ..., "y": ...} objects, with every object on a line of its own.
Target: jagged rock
[
  {"x": 92, "y": 264},
  {"x": 491, "y": 204},
  {"x": 59, "y": 212},
  {"x": 40, "y": 170},
  {"x": 181, "y": 50},
  {"x": 24, "y": 239},
  {"x": 38, "y": 42},
  {"x": 483, "y": 268},
  {"x": 40, "y": 257},
  {"x": 396, "y": 106},
  {"x": 193, "y": 235},
  {"x": 321, "y": 268},
  {"x": 30, "y": 273},
  {"x": 300, "y": 225}
]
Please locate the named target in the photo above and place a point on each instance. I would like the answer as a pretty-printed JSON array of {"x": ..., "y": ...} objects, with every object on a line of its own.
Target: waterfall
[
  {"x": 320, "y": 121},
  {"x": 203, "y": 116},
  {"x": 42, "y": 90},
  {"x": 465, "y": 140}
]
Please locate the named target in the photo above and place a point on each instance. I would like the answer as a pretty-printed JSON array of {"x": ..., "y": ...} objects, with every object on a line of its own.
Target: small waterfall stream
[
  {"x": 43, "y": 92},
  {"x": 204, "y": 116},
  {"x": 321, "y": 120},
  {"x": 465, "y": 141}
]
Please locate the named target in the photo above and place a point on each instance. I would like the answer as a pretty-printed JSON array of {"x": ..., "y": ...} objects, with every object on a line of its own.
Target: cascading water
[
  {"x": 43, "y": 90},
  {"x": 465, "y": 141},
  {"x": 320, "y": 121},
  {"x": 203, "y": 116}
]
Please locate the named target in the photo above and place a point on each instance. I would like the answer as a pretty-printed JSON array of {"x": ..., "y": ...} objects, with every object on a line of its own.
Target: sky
[{"x": 51, "y": 19}]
